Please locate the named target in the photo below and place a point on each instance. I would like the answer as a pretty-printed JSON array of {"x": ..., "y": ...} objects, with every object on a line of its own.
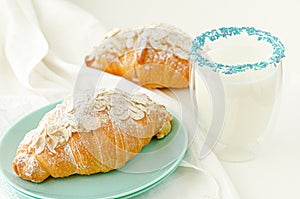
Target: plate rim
[{"x": 134, "y": 192}]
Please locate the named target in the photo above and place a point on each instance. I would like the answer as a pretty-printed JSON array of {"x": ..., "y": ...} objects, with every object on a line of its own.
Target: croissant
[
  {"x": 153, "y": 56},
  {"x": 96, "y": 132}
]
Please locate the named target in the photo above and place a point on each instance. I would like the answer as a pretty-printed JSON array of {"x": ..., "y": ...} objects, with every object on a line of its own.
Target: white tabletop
[{"x": 275, "y": 172}]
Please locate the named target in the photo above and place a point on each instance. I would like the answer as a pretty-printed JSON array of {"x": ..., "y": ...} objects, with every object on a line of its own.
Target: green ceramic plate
[{"x": 156, "y": 161}]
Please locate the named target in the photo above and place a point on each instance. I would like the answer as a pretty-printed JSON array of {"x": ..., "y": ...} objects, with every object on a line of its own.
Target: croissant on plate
[
  {"x": 154, "y": 56},
  {"x": 90, "y": 133}
]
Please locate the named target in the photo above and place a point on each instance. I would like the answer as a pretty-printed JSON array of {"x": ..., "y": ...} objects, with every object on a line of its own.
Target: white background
[{"x": 275, "y": 173}]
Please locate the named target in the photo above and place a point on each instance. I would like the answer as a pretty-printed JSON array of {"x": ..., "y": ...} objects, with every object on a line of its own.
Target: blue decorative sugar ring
[{"x": 224, "y": 32}]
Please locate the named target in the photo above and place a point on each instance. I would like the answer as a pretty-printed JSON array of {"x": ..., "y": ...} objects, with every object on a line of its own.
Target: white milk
[{"x": 249, "y": 96}]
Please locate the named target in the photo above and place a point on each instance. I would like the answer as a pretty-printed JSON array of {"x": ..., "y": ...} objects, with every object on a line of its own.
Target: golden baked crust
[
  {"x": 63, "y": 145},
  {"x": 152, "y": 56}
]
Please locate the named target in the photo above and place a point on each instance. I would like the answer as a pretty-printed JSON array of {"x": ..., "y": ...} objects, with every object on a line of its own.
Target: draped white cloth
[{"x": 44, "y": 44}]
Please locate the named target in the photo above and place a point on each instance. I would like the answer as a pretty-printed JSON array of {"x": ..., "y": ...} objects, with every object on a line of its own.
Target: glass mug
[{"x": 248, "y": 63}]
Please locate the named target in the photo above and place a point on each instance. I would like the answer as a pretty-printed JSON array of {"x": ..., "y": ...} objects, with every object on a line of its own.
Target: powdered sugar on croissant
[
  {"x": 96, "y": 132},
  {"x": 152, "y": 56}
]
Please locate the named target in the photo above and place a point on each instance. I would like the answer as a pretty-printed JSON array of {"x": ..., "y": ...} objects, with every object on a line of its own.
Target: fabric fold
[
  {"x": 25, "y": 45},
  {"x": 46, "y": 42}
]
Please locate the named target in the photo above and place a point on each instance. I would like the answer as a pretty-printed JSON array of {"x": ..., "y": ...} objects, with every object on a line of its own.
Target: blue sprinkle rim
[{"x": 224, "y": 32}]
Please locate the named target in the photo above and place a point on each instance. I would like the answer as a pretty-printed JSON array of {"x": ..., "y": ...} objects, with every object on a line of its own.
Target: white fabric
[
  {"x": 46, "y": 41},
  {"x": 44, "y": 44}
]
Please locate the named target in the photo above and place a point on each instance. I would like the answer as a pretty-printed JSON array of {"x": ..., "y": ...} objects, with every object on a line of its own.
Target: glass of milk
[{"x": 248, "y": 63}]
